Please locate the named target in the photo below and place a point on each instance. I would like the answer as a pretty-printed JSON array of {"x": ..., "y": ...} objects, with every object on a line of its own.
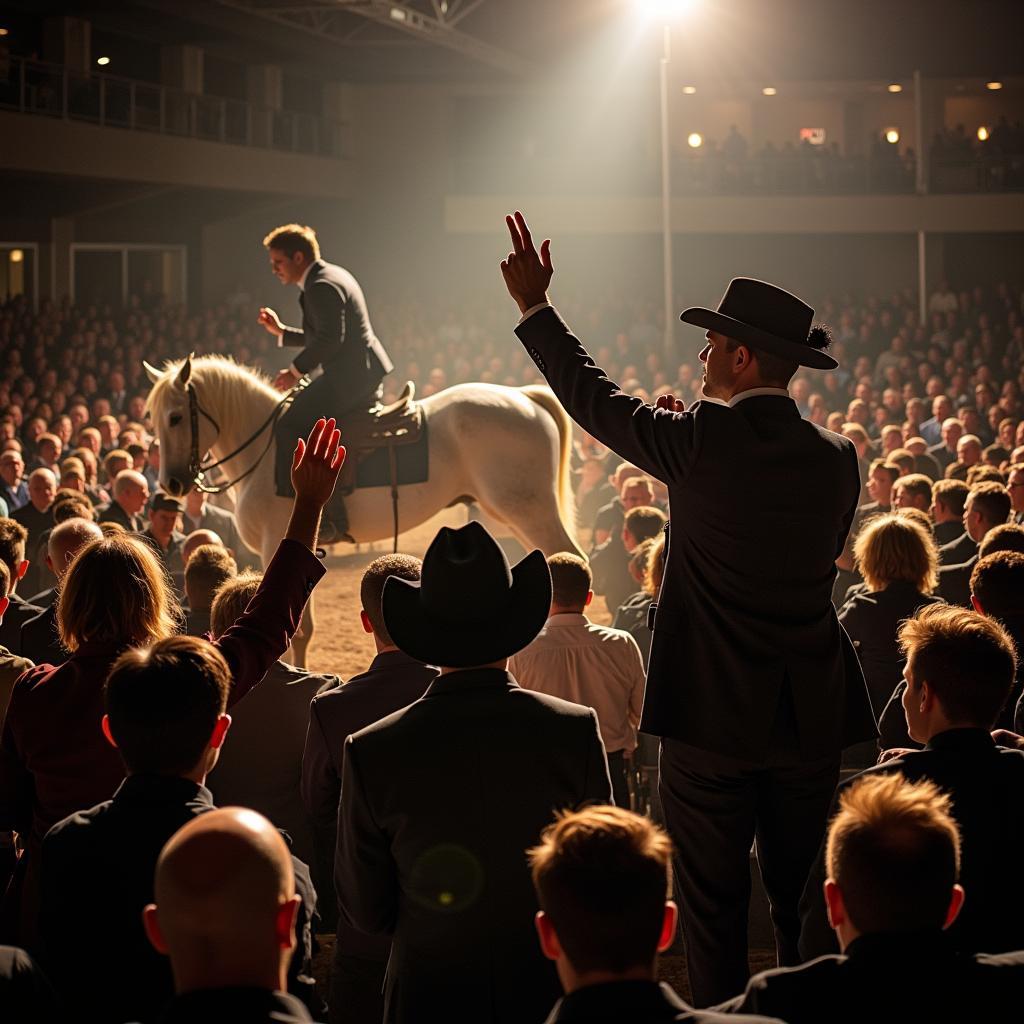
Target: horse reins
[{"x": 198, "y": 469}]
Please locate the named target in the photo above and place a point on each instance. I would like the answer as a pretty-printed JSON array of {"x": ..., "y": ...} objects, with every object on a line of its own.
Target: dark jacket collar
[
  {"x": 389, "y": 660},
  {"x": 164, "y": 789},
  {"x": 894, "y": 947},
  {"x": 962, "y": 739},
  {"x": 214, "y": 1005},
  {"x": 471, "y": 679},
  {"x": 619, "y": 1001}
]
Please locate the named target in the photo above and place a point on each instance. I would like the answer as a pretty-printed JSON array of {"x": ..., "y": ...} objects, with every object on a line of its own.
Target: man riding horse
[{"x": 336, "y": 336}]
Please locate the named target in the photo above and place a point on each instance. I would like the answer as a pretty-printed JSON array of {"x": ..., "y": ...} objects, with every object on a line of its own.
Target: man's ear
[
  {"x": 834, "y": 904},
  {"x": 19, "y": 573},
  {"x": 956, "y": 902},
  {"x": 105, "y": 726},
  {"x": 220, "y": 731},
  {"x": 549, "y": 944},
  {"x": 365, "y": 620},
  {"x": 977, "y": 605},
  {"x": 927, "y": 698},
  {"x": 4, "y": 602},
  {"x": 741, "y": 358},
  {"x": 590, "y": 597},
  {"x": 668, "y": 926},
  {"x": 151, "y": 926},
  {"x": 284, "y": 922}
]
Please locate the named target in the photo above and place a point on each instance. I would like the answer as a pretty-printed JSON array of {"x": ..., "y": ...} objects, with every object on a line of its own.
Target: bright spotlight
[
  {"x": 4, "y": 31},
  {"x": 993, "y": 85},
  {"x": 16, "y": 256},
  {"x": 892, "y": 135},
  {"x": 769, "y": 90},
  {"x": 895, "y": 87},
  {"x": 983, "y": 134},
  {"x": 689, "y": 90},
  {"x": 695, "y": 140},
  {"x": 664, "y": 10},
  {"x": 103, "y": 61}
]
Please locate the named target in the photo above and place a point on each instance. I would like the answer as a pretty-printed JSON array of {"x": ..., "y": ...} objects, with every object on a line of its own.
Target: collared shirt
[
  {"x": 305, "y": 274},
  {"x": 596, "y": 666}
]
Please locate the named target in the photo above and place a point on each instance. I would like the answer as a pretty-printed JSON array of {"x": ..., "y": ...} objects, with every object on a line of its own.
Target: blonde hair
[
  {"x": 293, "y": 238},
  {"x": 894, "y": 548},
  {"x": 655, "y": 571},
  {"x": 116, "y": 590}
]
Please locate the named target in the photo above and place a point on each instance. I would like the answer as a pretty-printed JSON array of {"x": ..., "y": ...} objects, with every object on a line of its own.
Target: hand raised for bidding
[
  {"x": 527, "y": 273},
  {"x": 671, "y": 403},
  {"x": 271, "y": 321},
  {"x": 317, "y": 463}
]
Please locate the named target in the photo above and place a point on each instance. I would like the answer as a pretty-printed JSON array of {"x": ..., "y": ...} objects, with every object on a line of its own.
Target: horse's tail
[{"x": 545, "y": 398}]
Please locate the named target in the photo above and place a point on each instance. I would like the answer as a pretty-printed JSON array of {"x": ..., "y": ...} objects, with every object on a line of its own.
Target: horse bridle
[{"x": 198, "y": 469}]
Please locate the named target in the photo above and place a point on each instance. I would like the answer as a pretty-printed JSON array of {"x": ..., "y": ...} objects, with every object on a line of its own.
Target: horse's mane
[{"x": 223, "y": 381}]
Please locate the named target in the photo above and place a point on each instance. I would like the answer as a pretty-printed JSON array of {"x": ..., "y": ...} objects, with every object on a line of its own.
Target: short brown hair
[
  {"x": 967, "y": 659},
  {"x": 571, "y": 580},
  {"x": 5, "y": 579},
  {"x": 293, "y": 238},
  {"x": 209, "y": 567},
  {"x": 893, "y": 548},
  {"x": 1008, "y": 537},
  {"x": 163, "y": 702},
  {"x": 917, "y": 485},
  {"x": 979, "y": 473},
  {"x": 655, "y": 567},
  {"x": 991, "y": 501},
  {"x": 894, "y": 851},
  {"x": 903, "y": 459},
  {"x": 997, "y": 581},
  {"x": 952, "y": 494},
  {"x": 602, "y": 876},
  {"x": 371, "y": 587},
  {"x": 231, "y": 599},
  {"x": 13, "y": 537},
  {"x": 643, "y": 522},
  {"x": 893, "y": 471},
  {"x": 73, "y": 508},
  {"x": 113, "y": 456},
  {"x": 116, "y": 590}
]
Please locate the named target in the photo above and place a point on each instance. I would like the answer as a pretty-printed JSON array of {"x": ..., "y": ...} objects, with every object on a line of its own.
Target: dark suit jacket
[
  {"x": 746, "y": 602},
  {"x": 18, "y": 613},
  {"x": 225, "y": 525},
  {"x": 261, "y": 763},
  {"x": 112, "y": 512},
  {"x": 439, "y": 803},
  {"x": 955, "y": 581},
  {"x": 39, "y": 640},
  {"x": 97, "y": 876},
  {"x": 986, "y": 785},
  {"x": 942, "y": 455},
  {"x": 54, "y": 759},
  {"x": 336, "y": 332},
  {"x": 947, "y": 532},
  {"x": 25, "y": 993},
  {"x": 632, "y": 1002},
  {"x": 37, "y": 523},
  {"x": 958, "y": 551},
  {"x": 14, "y": 496},
  {"x": 248, "y": 1005},
  {"x": 393, "y": 681}
]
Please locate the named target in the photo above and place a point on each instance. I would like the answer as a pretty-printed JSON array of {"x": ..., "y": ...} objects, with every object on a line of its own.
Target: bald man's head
[
  {"x": 196, "y": 539},
  {"x": 225, "y": 902},
  {"x": 66, "y": 540},
  {"x": 131, "y": 491}
]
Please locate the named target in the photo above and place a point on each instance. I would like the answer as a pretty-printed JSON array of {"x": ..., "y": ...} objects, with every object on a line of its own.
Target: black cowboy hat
[
  {"x": 765, "y": 317},
  {"x": 469, "y": 607}
]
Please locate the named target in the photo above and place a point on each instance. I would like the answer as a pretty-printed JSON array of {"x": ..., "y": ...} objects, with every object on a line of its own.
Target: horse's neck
[{"x": 243, "y": 408}]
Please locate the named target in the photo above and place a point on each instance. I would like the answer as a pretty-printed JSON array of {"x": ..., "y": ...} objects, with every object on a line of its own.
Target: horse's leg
[{"x": 532, "y": 517}]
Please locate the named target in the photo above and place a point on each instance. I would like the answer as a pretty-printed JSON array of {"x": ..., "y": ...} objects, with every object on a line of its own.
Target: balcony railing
[{"x": 52, "y": 90}]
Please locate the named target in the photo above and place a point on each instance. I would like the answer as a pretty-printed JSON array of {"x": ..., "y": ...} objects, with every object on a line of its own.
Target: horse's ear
[
  {"x": 186, "y": 370},
  {"x": 151, "y": 372}
]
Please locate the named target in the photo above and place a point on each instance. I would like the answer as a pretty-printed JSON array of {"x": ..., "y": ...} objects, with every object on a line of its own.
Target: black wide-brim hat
[
  {"x": 469, "y": 607},
  {"x": 765, "y": 317}
]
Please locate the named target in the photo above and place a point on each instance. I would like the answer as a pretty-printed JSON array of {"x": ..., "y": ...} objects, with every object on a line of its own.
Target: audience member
[
  {"x": 36, "y": 516},
  {"x": 25, "y": 993},
  {"x": 393, "y": 681},
  {"x": 196, "y": 539},
  {"x": 439, "y": 800},
  {"x": 130, "y": 496},
  {"x": 166, "y": 715},
  {"x": 610, "y": 562},
  {"x": 893, "y": 862},
  {"x": 199, "y": 514},
  {"x": 987, "y": 506},
  {"x": 165, "y": 538},
  {"x": 13, "y": 488},
  {"x": 209, "y": 567},
  {"x": 947, "y": 511},
  {"x": 960, "y": 669},
  {"x": 12, "y": 553},
  {"x": 580, "y": 661},
  {"x": 912, "y": 491},
  {"x": 226, "y": 915}
]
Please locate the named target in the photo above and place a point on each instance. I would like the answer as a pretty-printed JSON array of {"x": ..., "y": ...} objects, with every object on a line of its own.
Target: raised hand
[
  {"x": 527, "y": 273},
  {"x": 671, "y": 403},
  {"x": 317, "y": 463},
  {"x": 271, "y": 321}
]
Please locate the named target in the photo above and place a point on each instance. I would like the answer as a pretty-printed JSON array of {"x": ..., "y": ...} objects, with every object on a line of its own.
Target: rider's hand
[
  {"x": 527, "y": 274},
  {"x": 285, "y": 379},
  {"x": 317, "y": 463},
  {"x": 1005, "y": 738},
  {"x": 671, "y": 403},
  {"x": 271, "y": 321}
]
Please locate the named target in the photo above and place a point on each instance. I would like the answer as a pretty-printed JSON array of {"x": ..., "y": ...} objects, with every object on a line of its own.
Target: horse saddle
[{"x": 366, "y": 432}]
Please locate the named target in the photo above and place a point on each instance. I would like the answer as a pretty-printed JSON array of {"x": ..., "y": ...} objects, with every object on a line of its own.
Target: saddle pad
[{"x": 412, "y": 462}]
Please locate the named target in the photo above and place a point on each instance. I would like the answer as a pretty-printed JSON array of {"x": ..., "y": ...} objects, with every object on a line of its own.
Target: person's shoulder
[
  {"x": 778, "y": 981},
  {"x": 990, "y": 961},
  {"x": 79, "y": 827},
  {"x": 543, "y": 706}
]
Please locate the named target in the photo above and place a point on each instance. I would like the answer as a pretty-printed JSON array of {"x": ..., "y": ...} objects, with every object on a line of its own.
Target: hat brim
[
  {"x": 712, "y": 320},
  {"x": 450, "y": 643}
]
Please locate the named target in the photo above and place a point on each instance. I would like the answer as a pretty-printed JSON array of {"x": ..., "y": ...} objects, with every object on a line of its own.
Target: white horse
[{"x": 507, "y": 449}]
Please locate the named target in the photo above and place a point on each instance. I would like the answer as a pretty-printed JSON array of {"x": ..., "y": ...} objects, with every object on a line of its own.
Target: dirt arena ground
[{"x": 339, "y": 644}]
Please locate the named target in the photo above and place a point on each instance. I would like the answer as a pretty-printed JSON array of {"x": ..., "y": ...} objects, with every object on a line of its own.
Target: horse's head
[{"x": 169, "y": 410}]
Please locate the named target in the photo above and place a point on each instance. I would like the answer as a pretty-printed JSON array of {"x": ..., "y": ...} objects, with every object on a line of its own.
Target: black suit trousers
[
  {"x": 716, "y": 808},
  {"x": 326, "y": 396}
]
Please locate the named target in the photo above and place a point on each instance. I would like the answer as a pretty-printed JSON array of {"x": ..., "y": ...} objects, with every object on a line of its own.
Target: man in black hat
[
  {"x": 165, "y": 538},
  {"x": 439, "y": 801},
  {"x": 752, "y": 683}
]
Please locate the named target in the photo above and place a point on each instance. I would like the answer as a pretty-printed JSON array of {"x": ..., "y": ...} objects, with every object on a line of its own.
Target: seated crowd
[{"x": 185, "y": 817}]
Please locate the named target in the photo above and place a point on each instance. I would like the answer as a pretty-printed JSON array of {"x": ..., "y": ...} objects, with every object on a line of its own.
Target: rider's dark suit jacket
[
  {"x": 336, "y": 332},
  {"x": 761, "y": 503}
]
